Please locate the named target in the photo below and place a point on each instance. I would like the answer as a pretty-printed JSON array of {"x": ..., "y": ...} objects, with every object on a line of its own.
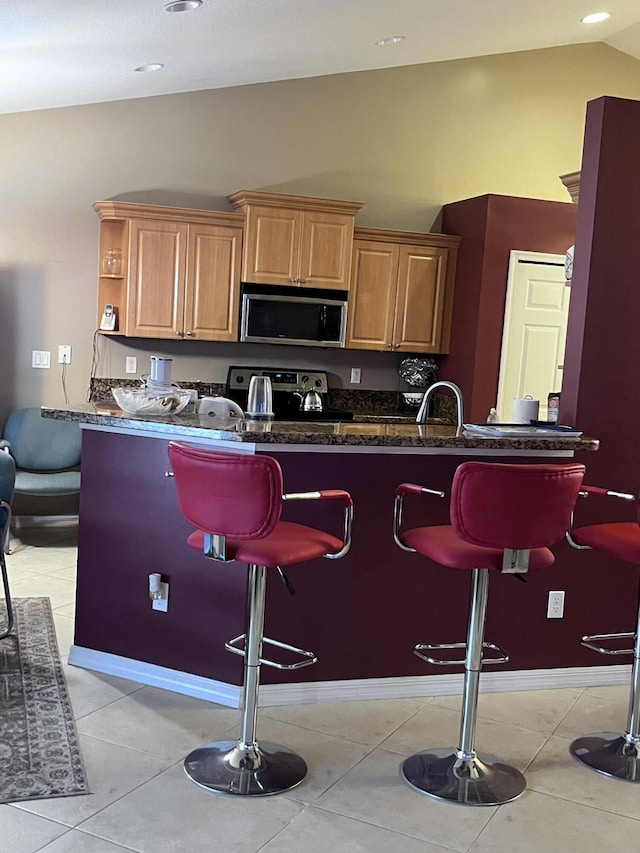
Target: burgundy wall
[
  {"x": 362, "y": 615},
  {"x": 491, "y": 226}
]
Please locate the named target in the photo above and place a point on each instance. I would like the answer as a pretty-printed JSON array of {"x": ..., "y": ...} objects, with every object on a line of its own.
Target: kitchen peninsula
[{"x": 361, "y": 615}]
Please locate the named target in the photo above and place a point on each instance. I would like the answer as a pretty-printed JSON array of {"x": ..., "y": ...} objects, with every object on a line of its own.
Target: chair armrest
[
  {"x": 332, "y": 495},
  {"x": 585, "y": 491},
  {"x": 402, "y": 490}
]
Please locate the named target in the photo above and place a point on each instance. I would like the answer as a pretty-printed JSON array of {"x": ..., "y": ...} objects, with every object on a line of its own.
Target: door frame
[{"x": 517, "y": 256}]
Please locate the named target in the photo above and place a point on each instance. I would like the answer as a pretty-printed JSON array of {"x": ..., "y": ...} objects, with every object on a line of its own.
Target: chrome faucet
[{"x": 424, "y": 408}]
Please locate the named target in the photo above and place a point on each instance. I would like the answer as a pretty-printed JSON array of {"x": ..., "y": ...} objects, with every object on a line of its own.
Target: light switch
[{"x": 40, "y": 358}]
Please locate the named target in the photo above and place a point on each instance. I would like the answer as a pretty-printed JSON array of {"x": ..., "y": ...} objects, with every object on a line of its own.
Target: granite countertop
[{"x": 381, "y": 432}]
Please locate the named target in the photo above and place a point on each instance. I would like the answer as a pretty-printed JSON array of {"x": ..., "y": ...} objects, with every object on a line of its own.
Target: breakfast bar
[{"x": 361, "y": 615}]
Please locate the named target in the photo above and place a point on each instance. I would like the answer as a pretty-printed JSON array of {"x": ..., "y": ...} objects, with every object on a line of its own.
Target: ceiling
[{"x": 55, "y": 53}]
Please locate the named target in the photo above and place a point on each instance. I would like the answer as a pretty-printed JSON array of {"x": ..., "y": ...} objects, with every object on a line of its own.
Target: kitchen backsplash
[{"x": 359, "y": 402}]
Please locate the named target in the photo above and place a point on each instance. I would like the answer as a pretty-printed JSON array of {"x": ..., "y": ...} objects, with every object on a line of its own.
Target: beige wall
[{"x": 405, "y": 141}]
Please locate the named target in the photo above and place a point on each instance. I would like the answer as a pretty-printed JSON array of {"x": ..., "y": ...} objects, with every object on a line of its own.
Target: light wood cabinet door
[
  {"x": 372, "y": 296},
  {"x": 212, "y": 283},
  {"x": 272, "y": 245},
  {"x": 157, "y": 269},
  {"x": 420, "y": 299},
  {"x": 325, "y": 250}
]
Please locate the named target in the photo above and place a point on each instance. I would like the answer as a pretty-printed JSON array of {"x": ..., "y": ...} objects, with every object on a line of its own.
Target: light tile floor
[{"x": 135, "y": 737}]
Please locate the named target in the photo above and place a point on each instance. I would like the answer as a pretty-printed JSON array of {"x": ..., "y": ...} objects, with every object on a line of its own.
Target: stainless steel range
[{"x": 298, "y": 395}]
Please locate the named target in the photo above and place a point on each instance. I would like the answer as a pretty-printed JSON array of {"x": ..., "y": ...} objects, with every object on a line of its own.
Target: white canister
[
  {"x": 525, "y": 410},
  {"x": 160, "y": 369}
]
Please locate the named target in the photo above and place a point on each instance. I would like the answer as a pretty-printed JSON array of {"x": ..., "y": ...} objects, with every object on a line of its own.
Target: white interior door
[{"x": 534, "y": 332}]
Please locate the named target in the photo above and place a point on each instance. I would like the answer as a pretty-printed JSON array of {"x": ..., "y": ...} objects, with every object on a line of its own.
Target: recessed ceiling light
[
  {"x": 390, "y": 40},
  {"x": 596, "y": 18},
  {"x": 152, "y": 66},
  {"x": 182, "y": 5}
]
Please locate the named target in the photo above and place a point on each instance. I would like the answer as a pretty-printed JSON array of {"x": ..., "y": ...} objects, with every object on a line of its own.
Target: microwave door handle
[{"x": 323, "y": 322}]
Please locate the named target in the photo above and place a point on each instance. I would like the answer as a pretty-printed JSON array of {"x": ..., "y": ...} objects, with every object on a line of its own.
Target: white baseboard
[
  {"x": 157, "y": 676},
  {"x": 317, "y": 692}
]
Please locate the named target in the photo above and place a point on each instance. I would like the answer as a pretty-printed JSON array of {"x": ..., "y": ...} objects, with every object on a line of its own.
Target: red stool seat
[
  {"x": 443, "y": 546},
  {"x": 289, "y": 543}
]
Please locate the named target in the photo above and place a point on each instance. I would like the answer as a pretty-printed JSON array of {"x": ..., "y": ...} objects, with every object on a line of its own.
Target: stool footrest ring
[
  {"x": 502, "y": 656},
  {"x": 308, "y": 657},
  {"x": 590, "y": 642}
]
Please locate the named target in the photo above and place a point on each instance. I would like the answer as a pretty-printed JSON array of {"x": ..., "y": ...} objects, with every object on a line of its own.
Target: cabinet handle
[
  {"x": 169, "y": 474},
  {"x": 387, "y": 346},
  {"x": 189, "y": 334},
  {"x": 179, "y": 334},
  {"x": 302, "y": 280},
  {"x": 293, "y": 280}
]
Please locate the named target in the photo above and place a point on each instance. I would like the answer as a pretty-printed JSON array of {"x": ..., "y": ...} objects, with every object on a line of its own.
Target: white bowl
[{"x": 135, "y": 401}]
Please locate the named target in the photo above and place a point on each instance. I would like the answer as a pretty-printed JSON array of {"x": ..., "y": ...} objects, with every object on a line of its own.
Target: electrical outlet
[
  {"x": 64, "y": 355},
  {"x": 555, "y": 604},
  {"x": 161, "y": 603},
  {"x": 131, "y": 364},
  {"x": 40, "y": 358},
  {"x": 356, "y": 375}
]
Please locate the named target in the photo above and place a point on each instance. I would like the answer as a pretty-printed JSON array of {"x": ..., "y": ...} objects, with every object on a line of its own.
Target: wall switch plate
[
  {"x": 40, "y": 358},
  {"x": 64, "y": 355},
  {"x": 131, "y": 364},
  {"x": 555, "y": 604},
  {"x": 356, "y": 375},
  {"x": 162, "y": 603}
]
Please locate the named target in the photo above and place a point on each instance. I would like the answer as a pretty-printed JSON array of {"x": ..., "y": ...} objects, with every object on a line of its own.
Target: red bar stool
[
  {"x": 502, "y": 517},
  {"x": 609, "y": 752},
  {"x": 235, "y": 501}
]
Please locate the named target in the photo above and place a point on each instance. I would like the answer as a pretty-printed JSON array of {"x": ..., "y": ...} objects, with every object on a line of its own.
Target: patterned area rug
[{"x": 39, "y": 752}]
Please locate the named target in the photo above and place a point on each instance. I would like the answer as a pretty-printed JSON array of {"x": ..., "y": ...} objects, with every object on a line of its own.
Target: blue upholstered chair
[
  {"x": 7, "y": 478},
  {"x": 46, "y": 453}
]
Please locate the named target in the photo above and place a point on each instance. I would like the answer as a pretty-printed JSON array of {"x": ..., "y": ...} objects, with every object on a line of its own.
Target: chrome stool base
[
  {"x": 609, "y": 753},
  {"x": 229, "y": 767},
  {"x": 480, "y": 781}
]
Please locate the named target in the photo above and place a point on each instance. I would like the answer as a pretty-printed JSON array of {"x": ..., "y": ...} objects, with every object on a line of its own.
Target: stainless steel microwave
[{"x": 293, "y": 315}]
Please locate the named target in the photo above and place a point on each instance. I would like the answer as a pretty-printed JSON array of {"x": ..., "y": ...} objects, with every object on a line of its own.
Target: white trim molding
[{"x": 352, "y": 690}]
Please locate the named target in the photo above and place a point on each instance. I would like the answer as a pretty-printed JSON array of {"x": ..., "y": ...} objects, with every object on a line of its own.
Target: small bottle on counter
[
  {"x": 553, "y": 405},
  {"x": 493, "y": 416}
]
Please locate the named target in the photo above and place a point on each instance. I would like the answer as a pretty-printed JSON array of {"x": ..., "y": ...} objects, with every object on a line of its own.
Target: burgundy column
[{"x": 601, "y": 387}]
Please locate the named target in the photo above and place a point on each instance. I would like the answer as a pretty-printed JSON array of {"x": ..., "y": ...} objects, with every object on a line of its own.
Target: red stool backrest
[
  {"x": 229, "y": 494},
  {"x": 513, "y": 506}
]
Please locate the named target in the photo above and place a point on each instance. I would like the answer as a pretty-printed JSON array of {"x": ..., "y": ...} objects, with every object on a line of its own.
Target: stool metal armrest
[
  {"x": 402, "y": 490},
  {"x": 609, "y": 493},
  {"x": 584, "y": 492},
  {"x": 335, "y": 495}
]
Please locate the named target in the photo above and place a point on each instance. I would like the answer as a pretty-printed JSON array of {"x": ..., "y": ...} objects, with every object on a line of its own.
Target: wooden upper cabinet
[
  {"x": 180, "y": 271},
  {"x": 156, "y": 279},
  {"x": 401, "y": 291},
  {"x": 212, "y": 297},
  {"x": 295, "y": 240},
  {"x": 371, "y": 305}
]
